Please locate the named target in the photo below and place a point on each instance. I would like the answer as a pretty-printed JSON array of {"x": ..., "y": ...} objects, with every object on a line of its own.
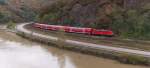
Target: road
[{"x": 21, "y": 28}]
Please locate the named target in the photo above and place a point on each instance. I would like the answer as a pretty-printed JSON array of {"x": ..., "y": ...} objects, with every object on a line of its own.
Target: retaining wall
[{"x": 60, "y": 43}]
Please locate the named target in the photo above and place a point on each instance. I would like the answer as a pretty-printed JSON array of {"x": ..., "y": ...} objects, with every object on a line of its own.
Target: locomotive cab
[{"x": 102, "y": 32}]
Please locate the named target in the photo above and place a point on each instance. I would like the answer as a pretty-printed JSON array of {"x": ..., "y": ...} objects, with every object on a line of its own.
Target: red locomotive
[{"x": 89, "y": 31}]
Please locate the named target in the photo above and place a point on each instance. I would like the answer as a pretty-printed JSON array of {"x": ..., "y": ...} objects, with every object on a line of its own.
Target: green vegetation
[
  {"x": 4, "y": 17},
  {"x": 27, "y": 13},
  {"x": 132, "y": 24},
  {"x": 85, "y": 2},
  {"x": 133, "y": 59},
  {"x": 51, "y": 17},
  {"x": 126, "y": 23},
  {"x": 108, "y": 14},
  {"x": 2, "y": 2},
  {"x": 11, "y": 25}
]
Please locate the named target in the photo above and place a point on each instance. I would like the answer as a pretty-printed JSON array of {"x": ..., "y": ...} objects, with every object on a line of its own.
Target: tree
[
  {"x": 2, "y": 2},
  {"x": 4, "y": 17}
]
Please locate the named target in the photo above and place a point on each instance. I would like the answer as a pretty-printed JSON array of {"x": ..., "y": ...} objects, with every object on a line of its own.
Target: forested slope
[{"x": 127, "y": 18}]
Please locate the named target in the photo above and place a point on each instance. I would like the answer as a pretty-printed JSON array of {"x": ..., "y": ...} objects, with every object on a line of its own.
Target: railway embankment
[{"x": 121, "y": 54}]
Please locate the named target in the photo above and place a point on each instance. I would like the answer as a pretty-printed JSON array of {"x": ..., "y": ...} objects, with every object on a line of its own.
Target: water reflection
[
  {"x": 15, "y": 55},
  {"x": 27, "y": 54}
]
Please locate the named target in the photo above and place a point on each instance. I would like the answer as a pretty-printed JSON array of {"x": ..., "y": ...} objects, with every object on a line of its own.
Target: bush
[
  {"x": 50, "y": 18},
  {"x": 4, "y": 17},
  {"x": 85, "y": 2},
  {"x": 11, "y": 25},
  {"x": 133, "y": 59},
  {"x": 131, "y": 24}
]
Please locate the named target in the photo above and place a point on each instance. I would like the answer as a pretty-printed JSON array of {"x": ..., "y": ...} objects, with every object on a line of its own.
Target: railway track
[{"x": 21, "y": 28}]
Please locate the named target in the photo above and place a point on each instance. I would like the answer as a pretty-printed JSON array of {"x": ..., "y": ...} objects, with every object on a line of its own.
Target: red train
[{"x": 89, "y": 31}]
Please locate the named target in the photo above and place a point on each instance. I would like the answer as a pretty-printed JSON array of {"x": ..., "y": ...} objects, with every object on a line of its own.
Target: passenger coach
[{"x": 89, "y": 31}]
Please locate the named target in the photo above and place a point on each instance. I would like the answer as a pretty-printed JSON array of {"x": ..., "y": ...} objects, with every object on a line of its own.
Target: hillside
[
  {"x": 91, "y": 8},
  {"x": 22, "y": 10},
  {"x": 127, "y": 18}
]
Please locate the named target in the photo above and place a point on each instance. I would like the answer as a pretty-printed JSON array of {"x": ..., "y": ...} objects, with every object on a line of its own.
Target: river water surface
[{"x": 16, "y": 52}]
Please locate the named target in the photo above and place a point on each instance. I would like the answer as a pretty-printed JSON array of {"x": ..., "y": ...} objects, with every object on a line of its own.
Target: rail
[{"x": 21, "y": 28}]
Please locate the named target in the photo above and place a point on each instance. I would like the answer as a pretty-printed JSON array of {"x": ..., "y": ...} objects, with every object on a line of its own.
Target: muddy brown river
[{"x": 16, "y": 52}]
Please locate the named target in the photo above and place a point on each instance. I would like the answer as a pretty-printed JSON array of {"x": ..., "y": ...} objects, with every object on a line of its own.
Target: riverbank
[
  {"x": 108, "y": 41},
  {"x": 67, "y": 59},
  {"x": 104, "y": 52}
]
